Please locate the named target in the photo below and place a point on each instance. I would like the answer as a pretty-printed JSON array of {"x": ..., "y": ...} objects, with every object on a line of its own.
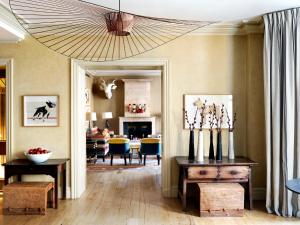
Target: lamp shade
[
  {"x": 91, "y": 116},
  {"x": 107, "y": 115}
]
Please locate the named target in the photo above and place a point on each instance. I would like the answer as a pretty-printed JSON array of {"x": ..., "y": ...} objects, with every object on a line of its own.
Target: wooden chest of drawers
[
  {"x": 226, "y": 171},
  {"x": 218, "y": 172}
]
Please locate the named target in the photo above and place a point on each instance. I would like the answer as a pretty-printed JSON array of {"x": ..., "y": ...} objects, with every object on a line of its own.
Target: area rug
[{"x": 118, "y": 164}]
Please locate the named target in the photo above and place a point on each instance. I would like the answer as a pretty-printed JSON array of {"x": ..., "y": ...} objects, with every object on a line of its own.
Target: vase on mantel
[
  {"x": 200, "y": 149},
  {"x": 219, "y": 146},
  {"x": 211, "y": 155},
  {"x": 191, "y": 146},
  {"x": 230, "y": 145}
]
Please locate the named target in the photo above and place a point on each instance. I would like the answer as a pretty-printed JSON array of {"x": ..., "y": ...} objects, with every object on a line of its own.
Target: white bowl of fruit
[{"x": 38, "y": 155}]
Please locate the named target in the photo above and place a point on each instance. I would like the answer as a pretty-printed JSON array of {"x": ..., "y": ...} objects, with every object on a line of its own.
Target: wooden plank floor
[{"x": 133, "y": 197}]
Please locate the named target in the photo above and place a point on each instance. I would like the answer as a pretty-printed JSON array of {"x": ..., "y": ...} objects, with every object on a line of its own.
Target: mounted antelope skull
[{"x": 107, "y": 88}]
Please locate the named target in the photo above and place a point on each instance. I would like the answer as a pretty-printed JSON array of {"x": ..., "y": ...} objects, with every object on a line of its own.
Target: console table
[
  {"x": 51, "y": 167},
  {"x": 211, "y": 171}
]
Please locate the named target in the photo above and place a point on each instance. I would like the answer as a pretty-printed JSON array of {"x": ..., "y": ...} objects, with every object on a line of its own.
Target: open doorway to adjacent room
[
  {"x": 5, "y": 114},
  {"x": 2, "y": 122},
  {"x": 119, "y": 120},
  {"x": 123, "y": 117}
]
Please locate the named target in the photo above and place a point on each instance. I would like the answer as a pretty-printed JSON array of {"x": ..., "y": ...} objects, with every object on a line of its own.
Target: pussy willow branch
[
  {"x": 202, "y": 115},
  {"x": 211, "y": 119},
  {"x": 191, "y": 125},
  {"x": 231, "y": 124},
  {"x": 219, "y": 120}
]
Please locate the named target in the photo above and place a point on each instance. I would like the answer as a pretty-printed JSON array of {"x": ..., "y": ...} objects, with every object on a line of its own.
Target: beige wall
[{"x": 198, "y": 65}]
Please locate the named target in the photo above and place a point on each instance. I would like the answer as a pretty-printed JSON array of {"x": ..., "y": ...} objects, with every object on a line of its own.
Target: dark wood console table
[
  {"x": 226, "y": 171},
  {"x": 52, "y": 167}
]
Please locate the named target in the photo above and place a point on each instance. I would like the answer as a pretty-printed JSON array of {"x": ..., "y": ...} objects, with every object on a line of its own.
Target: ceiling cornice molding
[
  {"x": 9, "y": 23},
  {"x": 234, "y": 28}
]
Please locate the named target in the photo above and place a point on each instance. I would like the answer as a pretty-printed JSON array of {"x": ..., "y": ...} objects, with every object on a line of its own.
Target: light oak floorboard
[{"x": 133, "y": 197}]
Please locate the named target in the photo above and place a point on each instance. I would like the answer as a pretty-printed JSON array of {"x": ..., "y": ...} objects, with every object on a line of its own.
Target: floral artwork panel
[{"x": 191, "y": 102}]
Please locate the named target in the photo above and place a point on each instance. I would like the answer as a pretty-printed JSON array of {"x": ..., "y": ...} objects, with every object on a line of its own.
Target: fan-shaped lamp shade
[
  {"x": 107, "y": 115},
  {"x": 87, "y": 31}
]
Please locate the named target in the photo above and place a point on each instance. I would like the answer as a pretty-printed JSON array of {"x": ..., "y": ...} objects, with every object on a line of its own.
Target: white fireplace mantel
[{"x": 135, "y": 119}]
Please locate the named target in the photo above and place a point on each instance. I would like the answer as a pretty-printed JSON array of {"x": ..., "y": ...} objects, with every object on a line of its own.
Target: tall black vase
[
  {"x": 211, "y": 146},
  {"x": 219, "y": 146},
  {"x": 191, "y": 146}
]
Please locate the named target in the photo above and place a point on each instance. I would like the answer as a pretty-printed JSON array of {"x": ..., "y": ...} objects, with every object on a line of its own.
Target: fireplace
[{"x": 137, "y": 127}]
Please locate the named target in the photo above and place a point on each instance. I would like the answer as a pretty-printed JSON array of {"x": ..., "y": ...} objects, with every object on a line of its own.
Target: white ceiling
[{"x": 209, "y": 10}]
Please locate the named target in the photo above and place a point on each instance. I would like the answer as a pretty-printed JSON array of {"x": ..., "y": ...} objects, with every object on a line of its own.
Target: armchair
[
  {"x": 150, "y": 146},
  {"x": 119, "y": 146}
]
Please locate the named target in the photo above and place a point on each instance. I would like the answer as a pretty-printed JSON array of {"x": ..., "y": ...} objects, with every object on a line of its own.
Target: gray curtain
[{"x": 282, "y": 105}]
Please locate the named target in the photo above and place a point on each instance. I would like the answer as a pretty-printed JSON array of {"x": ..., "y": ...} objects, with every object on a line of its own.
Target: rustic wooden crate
[
  {"x": 26, "y": 198},
  {"x": 221, "y": 199}
]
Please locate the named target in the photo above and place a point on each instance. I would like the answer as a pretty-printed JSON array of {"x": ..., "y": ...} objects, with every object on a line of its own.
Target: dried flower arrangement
[
  {"x": 191, "y": 124},
  {"x": 231, "y": 124},
  {"x": 218, "y": 116}
]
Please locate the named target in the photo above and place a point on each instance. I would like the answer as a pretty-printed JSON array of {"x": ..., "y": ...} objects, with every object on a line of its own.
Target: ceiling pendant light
[
  {"x": 86, "y": 31},
  {"x": 119, "y": 23}
]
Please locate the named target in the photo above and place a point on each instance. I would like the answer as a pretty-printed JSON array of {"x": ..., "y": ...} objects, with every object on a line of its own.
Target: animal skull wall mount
[{"x": 107, "y": 88}]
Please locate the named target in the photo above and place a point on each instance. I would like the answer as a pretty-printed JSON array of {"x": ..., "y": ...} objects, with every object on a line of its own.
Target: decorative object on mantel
[
  {"x": 200, "y": 146},
  {"x": 137, "y": 108},
  {"x": 88, "y": 31},
  {"x": 40, "y": 111},
  {"x": 231, "y": 126},
  {"x": 219, "y": 118},
  {"x": 192, "y": 128},
  {"x": 107, "y": 116},
  {"x": 107, "y": 88}
]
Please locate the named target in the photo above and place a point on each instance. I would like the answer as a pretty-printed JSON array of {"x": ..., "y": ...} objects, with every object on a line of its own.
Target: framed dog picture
[{"x": 41, "y": 110}]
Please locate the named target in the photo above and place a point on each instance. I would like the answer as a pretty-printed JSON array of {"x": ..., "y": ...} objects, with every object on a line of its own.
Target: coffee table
[{"x": 135, "y": 146}]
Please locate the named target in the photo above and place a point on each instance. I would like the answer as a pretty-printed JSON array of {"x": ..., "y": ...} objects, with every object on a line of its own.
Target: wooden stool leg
[
  {"x": 125, "y": 160},
  {"x": 53, "y": 198}
]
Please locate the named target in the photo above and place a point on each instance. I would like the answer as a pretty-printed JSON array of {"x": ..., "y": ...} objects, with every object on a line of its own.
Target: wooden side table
[
  {"x": 238, "y": 170},
  {"x": 52, "y": 167}
]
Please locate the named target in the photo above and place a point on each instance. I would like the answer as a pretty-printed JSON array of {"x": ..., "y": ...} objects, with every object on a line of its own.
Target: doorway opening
[
  {"x": 79, "y": 124},
  {"x": 129, "y": 113},
  {"x": 2, "y": 122},
  {"x": 5, "y": 114}
]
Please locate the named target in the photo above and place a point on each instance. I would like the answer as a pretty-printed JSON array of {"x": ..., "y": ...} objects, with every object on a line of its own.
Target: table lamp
[
  {"x": 91, "y": 116},
  {"x": 107, "y": 115}
]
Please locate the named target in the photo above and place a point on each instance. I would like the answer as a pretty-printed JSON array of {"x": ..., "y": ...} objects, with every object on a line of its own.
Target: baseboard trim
[
  {"x": 259, "y": 193},
  {"x": 68, "y": 194}
]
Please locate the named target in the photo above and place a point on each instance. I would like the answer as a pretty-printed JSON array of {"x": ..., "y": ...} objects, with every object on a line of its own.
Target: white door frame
[
  {"x": 8, "y": 63},
  {"x": 166, "y": 160}
]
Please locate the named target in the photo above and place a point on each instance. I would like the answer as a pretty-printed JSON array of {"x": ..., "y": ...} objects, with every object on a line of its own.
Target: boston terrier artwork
[{"x": 43, "y": 112}]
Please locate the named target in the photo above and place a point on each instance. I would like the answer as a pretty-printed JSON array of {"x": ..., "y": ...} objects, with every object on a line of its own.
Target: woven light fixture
[{"x": 87, "y": 31}]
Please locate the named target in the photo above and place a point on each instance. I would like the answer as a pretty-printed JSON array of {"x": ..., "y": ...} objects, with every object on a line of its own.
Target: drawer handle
[
  {"x": 234, "y": 172},
  {"x": 203, "y": 172}
]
